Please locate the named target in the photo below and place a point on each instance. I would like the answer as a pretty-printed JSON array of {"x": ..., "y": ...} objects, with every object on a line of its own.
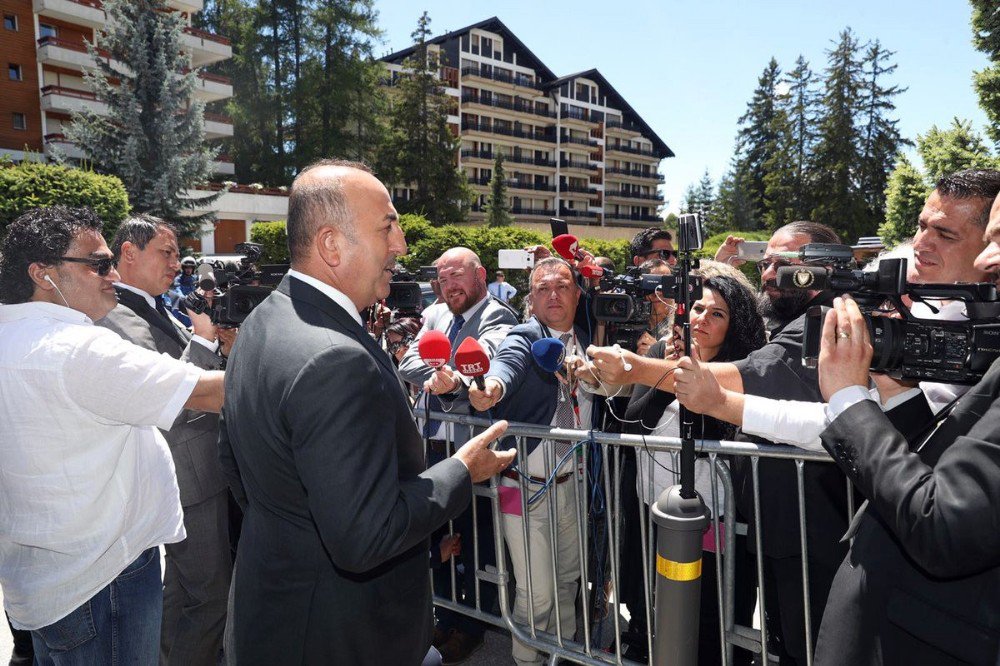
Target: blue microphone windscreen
[{"x": 549, "y": 354}]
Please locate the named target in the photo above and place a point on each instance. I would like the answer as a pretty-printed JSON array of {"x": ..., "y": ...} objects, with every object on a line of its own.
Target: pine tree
[
  {"x": 904, "y": 199},
  {"x": 836, "y": 159},
  {"x": 959, "y": 147},
  {"x": 497, "y": 208},
  {"x": 801, "y": 107},
  {"x": 986, "y": 38},
  {"x": 420, "y": 152},
  {"x": 733, "y": 206},
  {"x": 152, "y": 134}
]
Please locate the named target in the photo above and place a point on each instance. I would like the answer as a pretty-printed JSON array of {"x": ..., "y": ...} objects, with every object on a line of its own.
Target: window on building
[
  {"x": 486, "y": 46},
  {"x": 10, "y": 22},
  {"x": 19, "y": 121},
  {"x": 47, "y": 30},
  {"x": 14, "y": 71}
]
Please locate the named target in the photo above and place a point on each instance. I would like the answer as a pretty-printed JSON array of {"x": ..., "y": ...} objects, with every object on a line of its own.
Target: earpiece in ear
[{"x": 49, "y": 280}]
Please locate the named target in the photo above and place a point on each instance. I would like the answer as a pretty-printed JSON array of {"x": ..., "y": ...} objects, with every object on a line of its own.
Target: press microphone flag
[
  {"x": 549, "y": 354},
  {"x": 568, "y": 247},
  {"x": 471, "y": 360},
  {"x": 434, "y": 348}
]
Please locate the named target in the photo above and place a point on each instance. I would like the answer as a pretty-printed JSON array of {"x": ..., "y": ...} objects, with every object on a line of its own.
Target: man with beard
[
  {"x": 774, "y": 371},
  {"x": 470, "y": 312}
]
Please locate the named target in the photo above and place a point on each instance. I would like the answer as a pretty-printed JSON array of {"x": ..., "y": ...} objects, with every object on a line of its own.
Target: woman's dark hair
[
  {"x": 746, "y": 325},
  {"x": 41, "y": 235},
  {"x": 404, "y": 327}
]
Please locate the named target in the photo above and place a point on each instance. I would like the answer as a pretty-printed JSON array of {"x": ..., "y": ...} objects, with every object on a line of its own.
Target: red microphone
[
  {"x": 434, "y": 348},
  {"x": 568, "y": 247},
  {"x": 471, "y": 360},
  {"x": 590, "y": 271}
]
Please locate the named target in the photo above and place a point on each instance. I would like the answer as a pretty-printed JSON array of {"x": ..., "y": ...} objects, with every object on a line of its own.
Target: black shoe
[{"x": 459, "y": 647}]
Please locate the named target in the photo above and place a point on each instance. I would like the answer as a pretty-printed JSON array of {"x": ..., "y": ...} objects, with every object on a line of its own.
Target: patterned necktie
[{"x": 564, "y": 407}]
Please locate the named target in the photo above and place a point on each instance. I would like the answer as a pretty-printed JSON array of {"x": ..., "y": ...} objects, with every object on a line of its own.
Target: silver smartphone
[
  {"x": 515, "y": 259},
  {"x": 751, "y": 250}
]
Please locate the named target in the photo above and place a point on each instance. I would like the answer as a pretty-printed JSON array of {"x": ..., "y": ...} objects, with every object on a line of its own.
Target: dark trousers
[
  {"x": 24, "y": 651},
  {"x": 785, "y": 606}
]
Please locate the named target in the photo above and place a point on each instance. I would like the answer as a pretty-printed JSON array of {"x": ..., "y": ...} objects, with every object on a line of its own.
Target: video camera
[
  {"x": 237, "y": 282},
  {"x": 955, "y": 352},
  {"x": 405, "y": 295}
]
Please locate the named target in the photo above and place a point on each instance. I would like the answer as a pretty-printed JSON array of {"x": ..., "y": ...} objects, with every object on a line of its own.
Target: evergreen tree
[
  {"x": 733, "y": 207},
  {"x": 904, "y": 199},
  {"x": 986, "y": 38},
  {"x": 497, "y": 208},
  {"x": 152, "y": 134},
  {"x": 420, "y": 151},
  {"x": 946, "y": 151},
  {"x": 700, "y": 198},
  {"x": 801, "y": 107},
  {"x": 837, "y": 157}
]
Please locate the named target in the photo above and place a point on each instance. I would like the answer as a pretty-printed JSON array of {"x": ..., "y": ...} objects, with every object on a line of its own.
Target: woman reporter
[{"x": 661, "y": 315}]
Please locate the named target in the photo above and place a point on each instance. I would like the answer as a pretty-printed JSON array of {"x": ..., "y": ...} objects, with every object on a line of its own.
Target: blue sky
[{"x": 690, "y": 66}]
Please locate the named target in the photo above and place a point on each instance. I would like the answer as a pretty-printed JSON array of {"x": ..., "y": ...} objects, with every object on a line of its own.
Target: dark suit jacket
[
  {"x": 332, "y": 562},
  {"x": 531, "y": 392},
  {"x": 921, "y": 583},
  {"x": 192, "y": 439}
]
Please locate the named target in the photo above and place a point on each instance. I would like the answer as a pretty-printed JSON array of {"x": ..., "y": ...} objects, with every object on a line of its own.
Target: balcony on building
[
  {"x": 491, "y": 74},
  {"x": 212, "y": 87},
  {"x": 631, "y": 220},
  {"x": 57, "y": 144},
  {"x": 516, "y": 184},
  {"x": 223, "y": 165},
  {"x": 631, "y": 150},
  {"x": 619, "y": 173},
  {"x": 617, "y": 127},
  {"x": 59, "y": 52},
  {"x": 68, "y": 100},
  {"x": 538, "y": 135},
  {"x": 187, "y": 6},
  {"x": 576, "y": 164},
  {"x": 205, "y": 48},
  {"x": 78, "y": 12},
  {"x": 627, "y": 194},
  {"x": 529, "y": 160},
  {"x": 580, "y": 216},
  {"x": 218, "y": 126},
  {"x": 518, "y": 106}
]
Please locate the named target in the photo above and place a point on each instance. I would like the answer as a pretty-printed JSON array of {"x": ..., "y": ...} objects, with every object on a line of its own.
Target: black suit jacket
[
  {"x": 921, "y": 583},
  {"x": 193, "y": 437},
  {"x": 322, "y": 446}
]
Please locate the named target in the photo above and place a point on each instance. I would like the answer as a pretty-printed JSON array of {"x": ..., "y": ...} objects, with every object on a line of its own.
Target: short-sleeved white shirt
[{"x": 87, "y": 482}]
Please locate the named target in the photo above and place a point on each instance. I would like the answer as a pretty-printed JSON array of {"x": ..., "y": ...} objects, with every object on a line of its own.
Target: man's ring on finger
[{"x": 844, "y": 335}]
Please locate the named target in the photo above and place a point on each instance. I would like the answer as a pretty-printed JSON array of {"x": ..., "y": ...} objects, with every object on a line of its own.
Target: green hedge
[
  {"x": 274, "y": 239},
  {"x": 713, "y": 242},
  {"x": 32, "y": 185}
]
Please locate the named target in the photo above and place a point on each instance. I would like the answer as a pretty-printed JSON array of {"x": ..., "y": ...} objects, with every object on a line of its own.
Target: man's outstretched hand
[{"x": 482, "y": 461}]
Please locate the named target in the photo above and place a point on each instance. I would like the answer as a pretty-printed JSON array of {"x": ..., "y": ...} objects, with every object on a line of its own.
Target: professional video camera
[
  {"x": 237, "y": 282},
  {"x": 955, "y": 352},
  {"x": 405, "y": 295}
]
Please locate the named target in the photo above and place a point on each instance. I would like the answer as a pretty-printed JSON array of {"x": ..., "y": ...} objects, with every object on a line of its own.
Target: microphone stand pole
[{"x": 681, "y": 518}]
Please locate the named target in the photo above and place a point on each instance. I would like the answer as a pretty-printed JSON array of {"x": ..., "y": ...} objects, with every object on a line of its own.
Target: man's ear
[
  {"x": 329, "y": 242},
  {"x": 128, "y": 252},
  {"x": 37, "y": 272},
  {"x": 481, "y": 274}
]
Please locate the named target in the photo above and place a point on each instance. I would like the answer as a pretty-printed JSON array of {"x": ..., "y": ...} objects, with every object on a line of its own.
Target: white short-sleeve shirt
[{"x": 87, "y": 482}]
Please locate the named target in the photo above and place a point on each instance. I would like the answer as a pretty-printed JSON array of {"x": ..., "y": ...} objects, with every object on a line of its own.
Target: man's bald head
[
  {"x": 462, "y": 278},
  {"x": 319, "y": 197},
  {"x": 459, "y": 255}
]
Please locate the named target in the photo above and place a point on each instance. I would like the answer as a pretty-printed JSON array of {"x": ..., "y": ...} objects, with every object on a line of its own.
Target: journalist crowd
[{"x": 305, "y": 475}]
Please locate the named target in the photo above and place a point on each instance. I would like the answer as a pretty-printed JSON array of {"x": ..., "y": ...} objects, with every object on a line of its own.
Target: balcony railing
[
  {"x": 520, "y": 107},
  {"x": 521, "y": 134},
  {"x": 218, "y": 118},
  {"x": 645, "y": 152},
  {"x": 579, "y": 140},
  {"x": 70, "y": 46},
  {"x": 202, "y": 34},
  {"x": 572, "y": 164},
  {"x": 68, "y": 92},
  {"x": 637, "y": 173},
  {"x": 519, "y": 210},
  {"x": 515, "y": 79},
  {"x": 576, "y": 114},
  {"x": 579, "y": 189},
  {"x": 516, "y": 159},
  {"x": 516, "y": 184},
  {"x": 632, "y": 218},
  {"x": 569, "y": 212},
  {"x": 625, "y": 194}
]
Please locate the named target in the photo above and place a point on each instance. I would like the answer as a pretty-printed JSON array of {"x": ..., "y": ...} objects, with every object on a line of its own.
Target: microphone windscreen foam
[
  {"x": 566, "y": 245},
  {"x": 434, "y": 348},
  {"x": 471, "y": 359},
  {"x": 549, "y": 354},
  {"x": 590, "y": 271}
]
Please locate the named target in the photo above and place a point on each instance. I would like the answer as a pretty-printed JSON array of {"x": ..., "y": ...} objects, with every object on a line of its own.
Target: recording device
[
  {"x": 237, "y": 283},
  {"x": 559, "y": 227},
  {"x": 622, "y": 300},
  {"x": 568, "y": 247},
  {"x": 405, "y": 297},
  {"x": 690, "y": 233},
  {"x": 434, "y": 349},
  {"x": 549, "y": 354},
  {"x": 751, "y": 250},
  {"x": 471, "y": 360},
  {"x": 515, "y": 259},
  {"x": 955, "y": 352}
]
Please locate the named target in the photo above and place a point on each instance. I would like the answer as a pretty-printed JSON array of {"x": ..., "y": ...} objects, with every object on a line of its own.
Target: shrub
[
  {"x": 273, "y": 237},
  {"x": 35, "y": 185}
]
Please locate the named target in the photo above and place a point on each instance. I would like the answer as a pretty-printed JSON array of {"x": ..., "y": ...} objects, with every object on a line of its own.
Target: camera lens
[{"x": 887, "y": 337}]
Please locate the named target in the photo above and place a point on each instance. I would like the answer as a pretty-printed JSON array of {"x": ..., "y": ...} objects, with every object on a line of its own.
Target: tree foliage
[
  {"x": 904, "y": 199},
  {"x": 151, "y": 136},
  {"x": 497, "y": 208},
  {"x": 34, "y": 185},
  {"x": 986, "y": 38}
]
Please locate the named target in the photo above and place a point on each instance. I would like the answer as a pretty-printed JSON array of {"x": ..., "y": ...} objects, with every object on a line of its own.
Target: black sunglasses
[
  {"x": 662, "y": 254},
  {"x": 103, "y": 265},
  {"x": 764, "y": 264},
  {"x": 394, "y": 347}
]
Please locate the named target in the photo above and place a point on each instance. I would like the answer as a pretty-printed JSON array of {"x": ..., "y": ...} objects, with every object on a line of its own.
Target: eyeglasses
[
  {"x": 764, "y": 264},
  {"x": 394, "y": 347},
  {"x": 662, "y": 254},
  {"x": 103, "y": 265}
]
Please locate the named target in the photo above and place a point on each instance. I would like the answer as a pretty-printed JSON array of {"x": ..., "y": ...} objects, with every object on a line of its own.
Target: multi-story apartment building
[{"x": 572, "y": 146}]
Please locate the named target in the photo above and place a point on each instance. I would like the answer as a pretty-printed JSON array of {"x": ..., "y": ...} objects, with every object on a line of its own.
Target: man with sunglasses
[
  {"x": 198, "y": 569},
  {"x": 653, "y": 243},
  {"x": 89, "y": 490}
]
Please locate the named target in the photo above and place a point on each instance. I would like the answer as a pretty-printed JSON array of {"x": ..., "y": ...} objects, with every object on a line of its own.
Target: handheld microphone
[
  {"x": 568, "y": 247},
  {"x": 434, "y": 348},
  {"x": 549, "y": 354},
  {"x": 591, "y": 271},
  {"x": 206, "y": 277},
  {"x": 471, "y": 360}
]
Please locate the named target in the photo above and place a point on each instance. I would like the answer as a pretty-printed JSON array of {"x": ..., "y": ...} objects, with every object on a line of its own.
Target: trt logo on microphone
[{"x": 471, "y": 369}]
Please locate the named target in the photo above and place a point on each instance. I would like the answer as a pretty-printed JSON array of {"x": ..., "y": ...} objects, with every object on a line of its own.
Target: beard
[{"x": 789, "y": 304}]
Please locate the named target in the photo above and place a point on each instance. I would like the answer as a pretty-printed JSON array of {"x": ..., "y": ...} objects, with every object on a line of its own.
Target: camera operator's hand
[
  {"x": 482, "y": 461},
  {"x": 696, "y": 386},
  {"x": 610, "y": 363},
  {"x": 489, "y": 396},
  {"x": 227, "y": 338},
  {"x": 644, "y": 342},
  {"x": 576, "y": 367},
  {"x": 729, "y": 251},
  {"x": 444, "y": 380},
  {"x": 202, "y": 324},
  {"x": 845, "y": 351},
  {"x": 539, "y": 252}
]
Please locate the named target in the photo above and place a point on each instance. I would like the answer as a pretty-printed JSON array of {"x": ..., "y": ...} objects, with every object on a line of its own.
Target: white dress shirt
[
  {"x": 87, "y": 482},
  {"x": 335, "y": 295},
  {"x": 211, "y": 345}
]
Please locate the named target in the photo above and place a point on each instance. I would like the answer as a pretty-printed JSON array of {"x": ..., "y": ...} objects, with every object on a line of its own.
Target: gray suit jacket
[
  {"x": 193, "y": 437},
  {"x": 322, "y": 447},
  {"x": 490, "y": 325}
]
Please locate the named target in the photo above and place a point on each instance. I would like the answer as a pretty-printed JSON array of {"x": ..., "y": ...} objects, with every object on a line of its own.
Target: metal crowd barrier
[{"x": 586, "y": 649}]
